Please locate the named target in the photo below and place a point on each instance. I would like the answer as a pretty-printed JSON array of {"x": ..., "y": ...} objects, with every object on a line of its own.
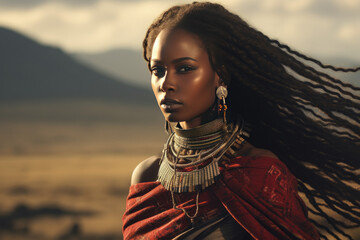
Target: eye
[
  {"x": 158, "y": 71},
  {"x": 185, "y": 69}
]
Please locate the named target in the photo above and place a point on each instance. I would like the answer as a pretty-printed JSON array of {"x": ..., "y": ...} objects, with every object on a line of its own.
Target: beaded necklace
[{"x": 200, "y": 150}]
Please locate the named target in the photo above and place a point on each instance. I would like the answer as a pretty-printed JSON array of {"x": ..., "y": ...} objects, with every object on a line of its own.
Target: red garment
[{"x": 260, "y": 193}]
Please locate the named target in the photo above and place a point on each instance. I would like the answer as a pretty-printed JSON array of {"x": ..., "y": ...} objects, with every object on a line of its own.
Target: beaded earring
[{"x": 221, "y": 93}]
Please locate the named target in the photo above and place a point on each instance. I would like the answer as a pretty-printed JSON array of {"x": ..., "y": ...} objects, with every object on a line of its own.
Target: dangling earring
[{"x": 221, "y": 93}]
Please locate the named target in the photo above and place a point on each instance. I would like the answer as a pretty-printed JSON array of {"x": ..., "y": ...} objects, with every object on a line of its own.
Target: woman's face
[{"x": 182, "y": 78}]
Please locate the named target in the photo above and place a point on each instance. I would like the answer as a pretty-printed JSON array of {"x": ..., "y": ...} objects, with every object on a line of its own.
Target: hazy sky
[{"x": 315, "y": 27}]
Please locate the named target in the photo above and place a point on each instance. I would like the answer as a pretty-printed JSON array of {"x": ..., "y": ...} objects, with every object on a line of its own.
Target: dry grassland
[{"x": 65, "y": 166}]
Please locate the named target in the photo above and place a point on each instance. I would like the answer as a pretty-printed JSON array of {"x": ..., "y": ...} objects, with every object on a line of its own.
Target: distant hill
[
  {"x": 125, "y": 64},
  {"x": 29, "y": 70}
]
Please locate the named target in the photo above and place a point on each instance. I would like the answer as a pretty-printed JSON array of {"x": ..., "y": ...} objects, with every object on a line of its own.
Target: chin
[{"x": 173, "y": 117}]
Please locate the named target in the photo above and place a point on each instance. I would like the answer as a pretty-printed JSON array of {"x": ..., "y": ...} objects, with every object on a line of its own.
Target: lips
[
  {"x": 169, "y": 101},
  {"x": 170, "y": 105}
]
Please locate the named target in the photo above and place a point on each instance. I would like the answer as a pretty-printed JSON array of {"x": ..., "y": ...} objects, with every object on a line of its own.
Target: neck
[
  {"x": 198, "y": 121},
  {"x": 212, "y": 127}
]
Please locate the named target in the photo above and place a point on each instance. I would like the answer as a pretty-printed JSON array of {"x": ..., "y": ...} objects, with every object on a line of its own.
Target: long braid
[
  {"x": 288, "y": 49},
  {"x": 310, "y": 119}
]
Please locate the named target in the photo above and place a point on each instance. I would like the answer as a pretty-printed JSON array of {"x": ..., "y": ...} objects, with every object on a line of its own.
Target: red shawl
[{"x": 260, "y": 193}]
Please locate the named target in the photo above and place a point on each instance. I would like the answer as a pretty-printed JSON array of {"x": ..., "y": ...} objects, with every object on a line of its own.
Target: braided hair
[{"x": 308, "y": 118}]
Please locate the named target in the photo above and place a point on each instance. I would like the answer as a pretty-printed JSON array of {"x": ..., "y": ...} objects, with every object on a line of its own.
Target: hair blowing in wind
[{"x": 295, "y": 108}]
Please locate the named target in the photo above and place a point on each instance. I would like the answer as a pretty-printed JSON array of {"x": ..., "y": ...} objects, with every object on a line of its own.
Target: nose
[{"x": 167, "y": 84}]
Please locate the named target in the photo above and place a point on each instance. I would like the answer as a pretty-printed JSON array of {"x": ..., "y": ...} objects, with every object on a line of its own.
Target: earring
[{"x": 221, "y": 93}]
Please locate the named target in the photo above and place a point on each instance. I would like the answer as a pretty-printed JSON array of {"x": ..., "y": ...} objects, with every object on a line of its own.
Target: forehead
[{"x": 170, "y": 45}]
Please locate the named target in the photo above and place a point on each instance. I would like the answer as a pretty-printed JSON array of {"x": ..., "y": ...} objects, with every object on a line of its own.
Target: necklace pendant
[{"x": 180, "y": 181}]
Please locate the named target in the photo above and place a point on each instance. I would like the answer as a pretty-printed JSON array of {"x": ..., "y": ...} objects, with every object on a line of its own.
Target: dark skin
[
  {"x": 182, "y": 78},
  {"x": 184, "y": 84}
]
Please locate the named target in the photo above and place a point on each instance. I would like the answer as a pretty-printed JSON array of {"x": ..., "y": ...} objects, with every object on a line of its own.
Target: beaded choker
[{"x": 191, "y": 157}]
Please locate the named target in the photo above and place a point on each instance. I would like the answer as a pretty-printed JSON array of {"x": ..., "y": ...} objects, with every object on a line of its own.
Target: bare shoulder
[{"x": 146, "y": 171}]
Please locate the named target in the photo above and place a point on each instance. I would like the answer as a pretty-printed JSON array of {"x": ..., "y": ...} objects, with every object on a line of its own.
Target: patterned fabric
[
  {"x": 258, "y": 192},
  {"x": 226, "y": 228}
]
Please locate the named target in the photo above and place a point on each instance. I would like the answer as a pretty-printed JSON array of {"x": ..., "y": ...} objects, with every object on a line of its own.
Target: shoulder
[
  {"x": 146, "y": 171},
  {"x": 260, "y": 159},
  {"x": 260, "y": 152},
  {"x": 266, "y": 160},
  {"x": 264, "y": 174},
  {"x": 250, "y": 150},
  {"x": 265, "y": 165}
]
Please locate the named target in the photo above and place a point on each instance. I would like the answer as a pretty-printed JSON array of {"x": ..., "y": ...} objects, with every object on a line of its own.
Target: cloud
[
  {"x": 19, "y": 4},
  {"x": 315, "y": 27},
  {"x": 103, "y": 24},
  {"x": 320, "y": 27}
]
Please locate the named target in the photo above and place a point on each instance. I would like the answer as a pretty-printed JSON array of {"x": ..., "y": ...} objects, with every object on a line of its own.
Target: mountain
[
  {"x": 29, "y": 70},
  {"x": 126, "y": 64}
]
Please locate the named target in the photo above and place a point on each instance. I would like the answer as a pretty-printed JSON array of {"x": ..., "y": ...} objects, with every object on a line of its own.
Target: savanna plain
[{"x": 65, "y": 166}]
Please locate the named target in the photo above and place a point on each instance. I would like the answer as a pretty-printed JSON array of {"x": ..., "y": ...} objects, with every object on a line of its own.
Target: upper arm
[{"x": 146, "y": 171}]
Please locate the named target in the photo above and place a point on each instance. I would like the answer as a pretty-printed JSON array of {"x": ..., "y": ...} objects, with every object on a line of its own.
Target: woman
[{"x": 235, "y": 102}]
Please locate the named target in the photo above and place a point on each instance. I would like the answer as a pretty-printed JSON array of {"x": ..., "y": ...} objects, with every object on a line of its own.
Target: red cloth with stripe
[{"x": 260, "y": 193}]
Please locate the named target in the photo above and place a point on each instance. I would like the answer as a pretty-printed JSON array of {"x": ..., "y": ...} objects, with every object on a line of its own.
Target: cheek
[{"x": 204, "y": 87}]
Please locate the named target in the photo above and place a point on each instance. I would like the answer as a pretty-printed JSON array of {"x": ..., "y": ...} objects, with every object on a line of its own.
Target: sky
[{"x": 316, "y": 27}]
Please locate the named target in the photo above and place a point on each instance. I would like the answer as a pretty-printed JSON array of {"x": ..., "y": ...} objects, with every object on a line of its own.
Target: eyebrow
[{"x": 176, "y": 60}]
